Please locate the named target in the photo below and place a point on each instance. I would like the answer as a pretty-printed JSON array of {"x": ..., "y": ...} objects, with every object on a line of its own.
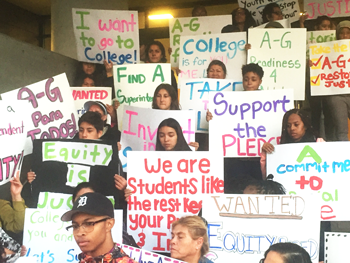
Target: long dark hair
[
  {"x": 172, "y": 93},
  {"x": 249, "y": 20},
  {"x": 162, "y": 50},
  {"x": 268, "y": 10},
  {"x": 290, "y": 252},
  {"x": 97, "y": 76},
  {"x": 310, "y": 133},
  {"x": 181, "y": 144}
]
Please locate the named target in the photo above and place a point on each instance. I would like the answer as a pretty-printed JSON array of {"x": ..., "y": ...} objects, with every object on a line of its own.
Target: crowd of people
[{"x": 92, "y": 216}]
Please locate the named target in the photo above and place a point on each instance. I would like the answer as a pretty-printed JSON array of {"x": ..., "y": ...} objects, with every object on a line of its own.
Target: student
[
  {"x": 264, "y": 187},
  {"x": 272, "y": 12},
  {"x": 286, "y": 253},
  {"x": 216, "y": 70},
  {"x": 92, "y": 219},
  {"x": 88, "y": 81},
  {"x": 165, "y": 98},
  {"x": 171, "y": 138},
  {"x": 324, "y": 23},
  {"x": 241, "y": 21},
  {"x": 199, "y": 10},
  {"x": 189, "y": 240},
  {"x": 90, "y": 126}
]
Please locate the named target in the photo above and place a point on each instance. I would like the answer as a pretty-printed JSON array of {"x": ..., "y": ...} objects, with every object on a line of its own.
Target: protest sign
[
  {"x": 289, "y": 8},
  {"x": 319, "y": 168},
  {"x": 337, "y": 245},
  {"x": 46, "y": 238},
  {"x": 282, "y": 55},
  {"x": 331, "y": 8},
  {"x": 52, "y": 110},
  {"x": 330, "y": 73},
  {"x": 140, "y": 126},
  {"x": 111, "y": 35},
  {"x": 167, "y": 186},
  {"x": 242, "y": 227},
  {"x": 194, "y": 95},
  {"x": 191, "y": 26},
  {"x": 319, "y": 36},
  {"x": 196, "y": 53},
  {"x": 244, "y": 120},
  {"x": 141, "y": 255}
]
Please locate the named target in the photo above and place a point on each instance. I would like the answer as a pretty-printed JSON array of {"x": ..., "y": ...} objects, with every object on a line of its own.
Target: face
[
  {"x": 250, "y": 190},
  {"x": 276, "y": 15},
  {"x": 88, "y": 132},
  {"x": 251, "y": 81},
  {"x": 96, "y": 108},
  {"x": 216, "y": 72},
  {"x": 183, "y": 247},
  {"x": 88, "y": 83},
  {"x": 296, "y": 128},
  {"x": 240, "y": 16},
  {"x": 201, "y": 11},
  {"x": 163, "y": 100},
  {"x": 154, "y": 54},
  {"x": 89, "y": 68},
  {"x": 168, "y": 138},
  {"x": 325, "y": 25},
  {"x": 273, "y": 257},
  {"x": 344, "y": 33},
  {"x": 83, "y": 191}
]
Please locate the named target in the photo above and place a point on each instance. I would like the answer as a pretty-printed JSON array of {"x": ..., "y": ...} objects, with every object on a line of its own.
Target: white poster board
[
  {"x": 242, "y": 227},
  {"x": 111, "y": 35},
  {"x": 194, "y": 95},
  {"x": 319, "y": 168},
  {"x": 336, "y": 246},
  {"x": 196, "y": 53},
  {"x": 320, "y": 36},
  {"x": 282, "y": 55},
  {"x": 244, "y": 120},
  {"x": 331, "y": 8},
  {"x": 52, "y": 110},
  {"x": 190, "y": 26},
  {"x": 329, "y": 74},
  {"x": 167, "y": 186}
]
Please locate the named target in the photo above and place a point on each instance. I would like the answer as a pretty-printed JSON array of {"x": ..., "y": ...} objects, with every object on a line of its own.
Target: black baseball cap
[
  {"x": 88, "y": 104},
  {"x": 90, "y": 203}
]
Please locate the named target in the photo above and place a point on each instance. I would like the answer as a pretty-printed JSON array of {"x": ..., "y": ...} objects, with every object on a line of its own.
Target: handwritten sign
[
  {"x": 191, "y": 26},
  {"x": 197, "y": 52},
  {"x": 331, "y": 8},
  {"x": 167, "y": 186},
  {"x": 289, "y": 8},
  {"x": 194, "y": 95},
  {"x": 140, "y": 126},
  {"x": 111, "y": 35},
  {"x": 315, "y": 168},
  {"x": 319, "y": 36},
  {"x": 330, "y": 71},
  {"x": 244, "y": 120},
  {"x": 282, "y": 55},
  {"x": 52, "y": 110},
  {"x": 242, "y": 227},
  {"x": 46, "y": 238}
]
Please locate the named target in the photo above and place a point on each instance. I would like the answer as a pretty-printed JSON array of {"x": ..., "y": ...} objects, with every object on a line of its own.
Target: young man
[
  {"x": 252, "y": 76},
  {"x": 92, "y": 219},
  {"x": 90, "y": 126}
]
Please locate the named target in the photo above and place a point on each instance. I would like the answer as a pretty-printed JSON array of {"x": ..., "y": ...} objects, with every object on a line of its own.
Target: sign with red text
[
  {"x": 317, "y": 168},
  {"x": 242, "y": 227},
  {"x": 196, "y": 53},
  {"x": 111, "y": 35},
  {"x": 167, "y": 186},
  {"x": 331, "y": 8},
  {"x": 330, "y": 71},
  {"x": 282, "y": 55},
  {"x": 46, "y": 238},
  {"x": 191, "y": 26},
  {"x": 140, "y": 126},
  {"x": 244, "y": 120},
  {"x": 51, "y": 107},
  {"x": 194, "y": 95}
]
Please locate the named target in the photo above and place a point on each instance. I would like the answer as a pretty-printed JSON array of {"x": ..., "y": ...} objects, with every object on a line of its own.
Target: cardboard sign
[
  {"x": 111, "y": 35},
  {"x": 194, "y": 95},
  {"x": 167, "y": 186},
  {"x": 289, "y": 8},
  {"x": 317, "y": 168},
  {"x": 191, "y": 26},
  {"x": 52, "y": 110},
  {"x": 282, "y": 55},
  {"x": 46, "y": 238},
  {"x": 330, "y": 71},
  {"x": 244, "y": 120},
  {"x": 242, "y": 227},
  {"x": 331, "y": 8},
  {"x": 140, "y": 126},
  {"x": 196, "y": 53},
  {"x": 336, "y": 246}
]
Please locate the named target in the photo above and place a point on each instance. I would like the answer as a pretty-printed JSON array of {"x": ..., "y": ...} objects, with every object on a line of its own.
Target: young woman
[
  {"x": 286, "y": 253},
  {"x": 165, "y": 98},
  {"x": 324, "y": 23},
  {"x": 272, "y": 12},
  {"x": 242, "y": 19},
  {"x": 216, "y": 70},
  {"x": 171, "y": 138}
]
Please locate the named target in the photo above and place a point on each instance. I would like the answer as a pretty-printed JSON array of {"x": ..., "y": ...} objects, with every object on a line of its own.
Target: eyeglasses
[
  {"x": 279, "y": 13},
  {"x": 87, "y": 226}
]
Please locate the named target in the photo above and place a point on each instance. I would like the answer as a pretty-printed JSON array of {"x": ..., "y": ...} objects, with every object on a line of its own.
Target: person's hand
[
  {"x": 120, "y": 182},
  {"x": 112, "y": 113},
  {"x": 302, "y": 19},
  {"x": 109, "y": 68},
  {"x": 23, "y": 251},
  {"x": 268, "y": 147},
  {"x": 119, "y": 146},
  {"x": 127, "y": 194},
  {"x": 116, "y": 104},
  {"x": 310, "y": 63},
  {"x": 170, "y": 50},
  {"x": 31, "y": 176},
  {"x": 16, "y": 188},
  {"x": 247, "y": 46},
  {"x": 178, "y": 71},
  {"x": 209, "y": 116},
  {"x": 195, "y": 145}
]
